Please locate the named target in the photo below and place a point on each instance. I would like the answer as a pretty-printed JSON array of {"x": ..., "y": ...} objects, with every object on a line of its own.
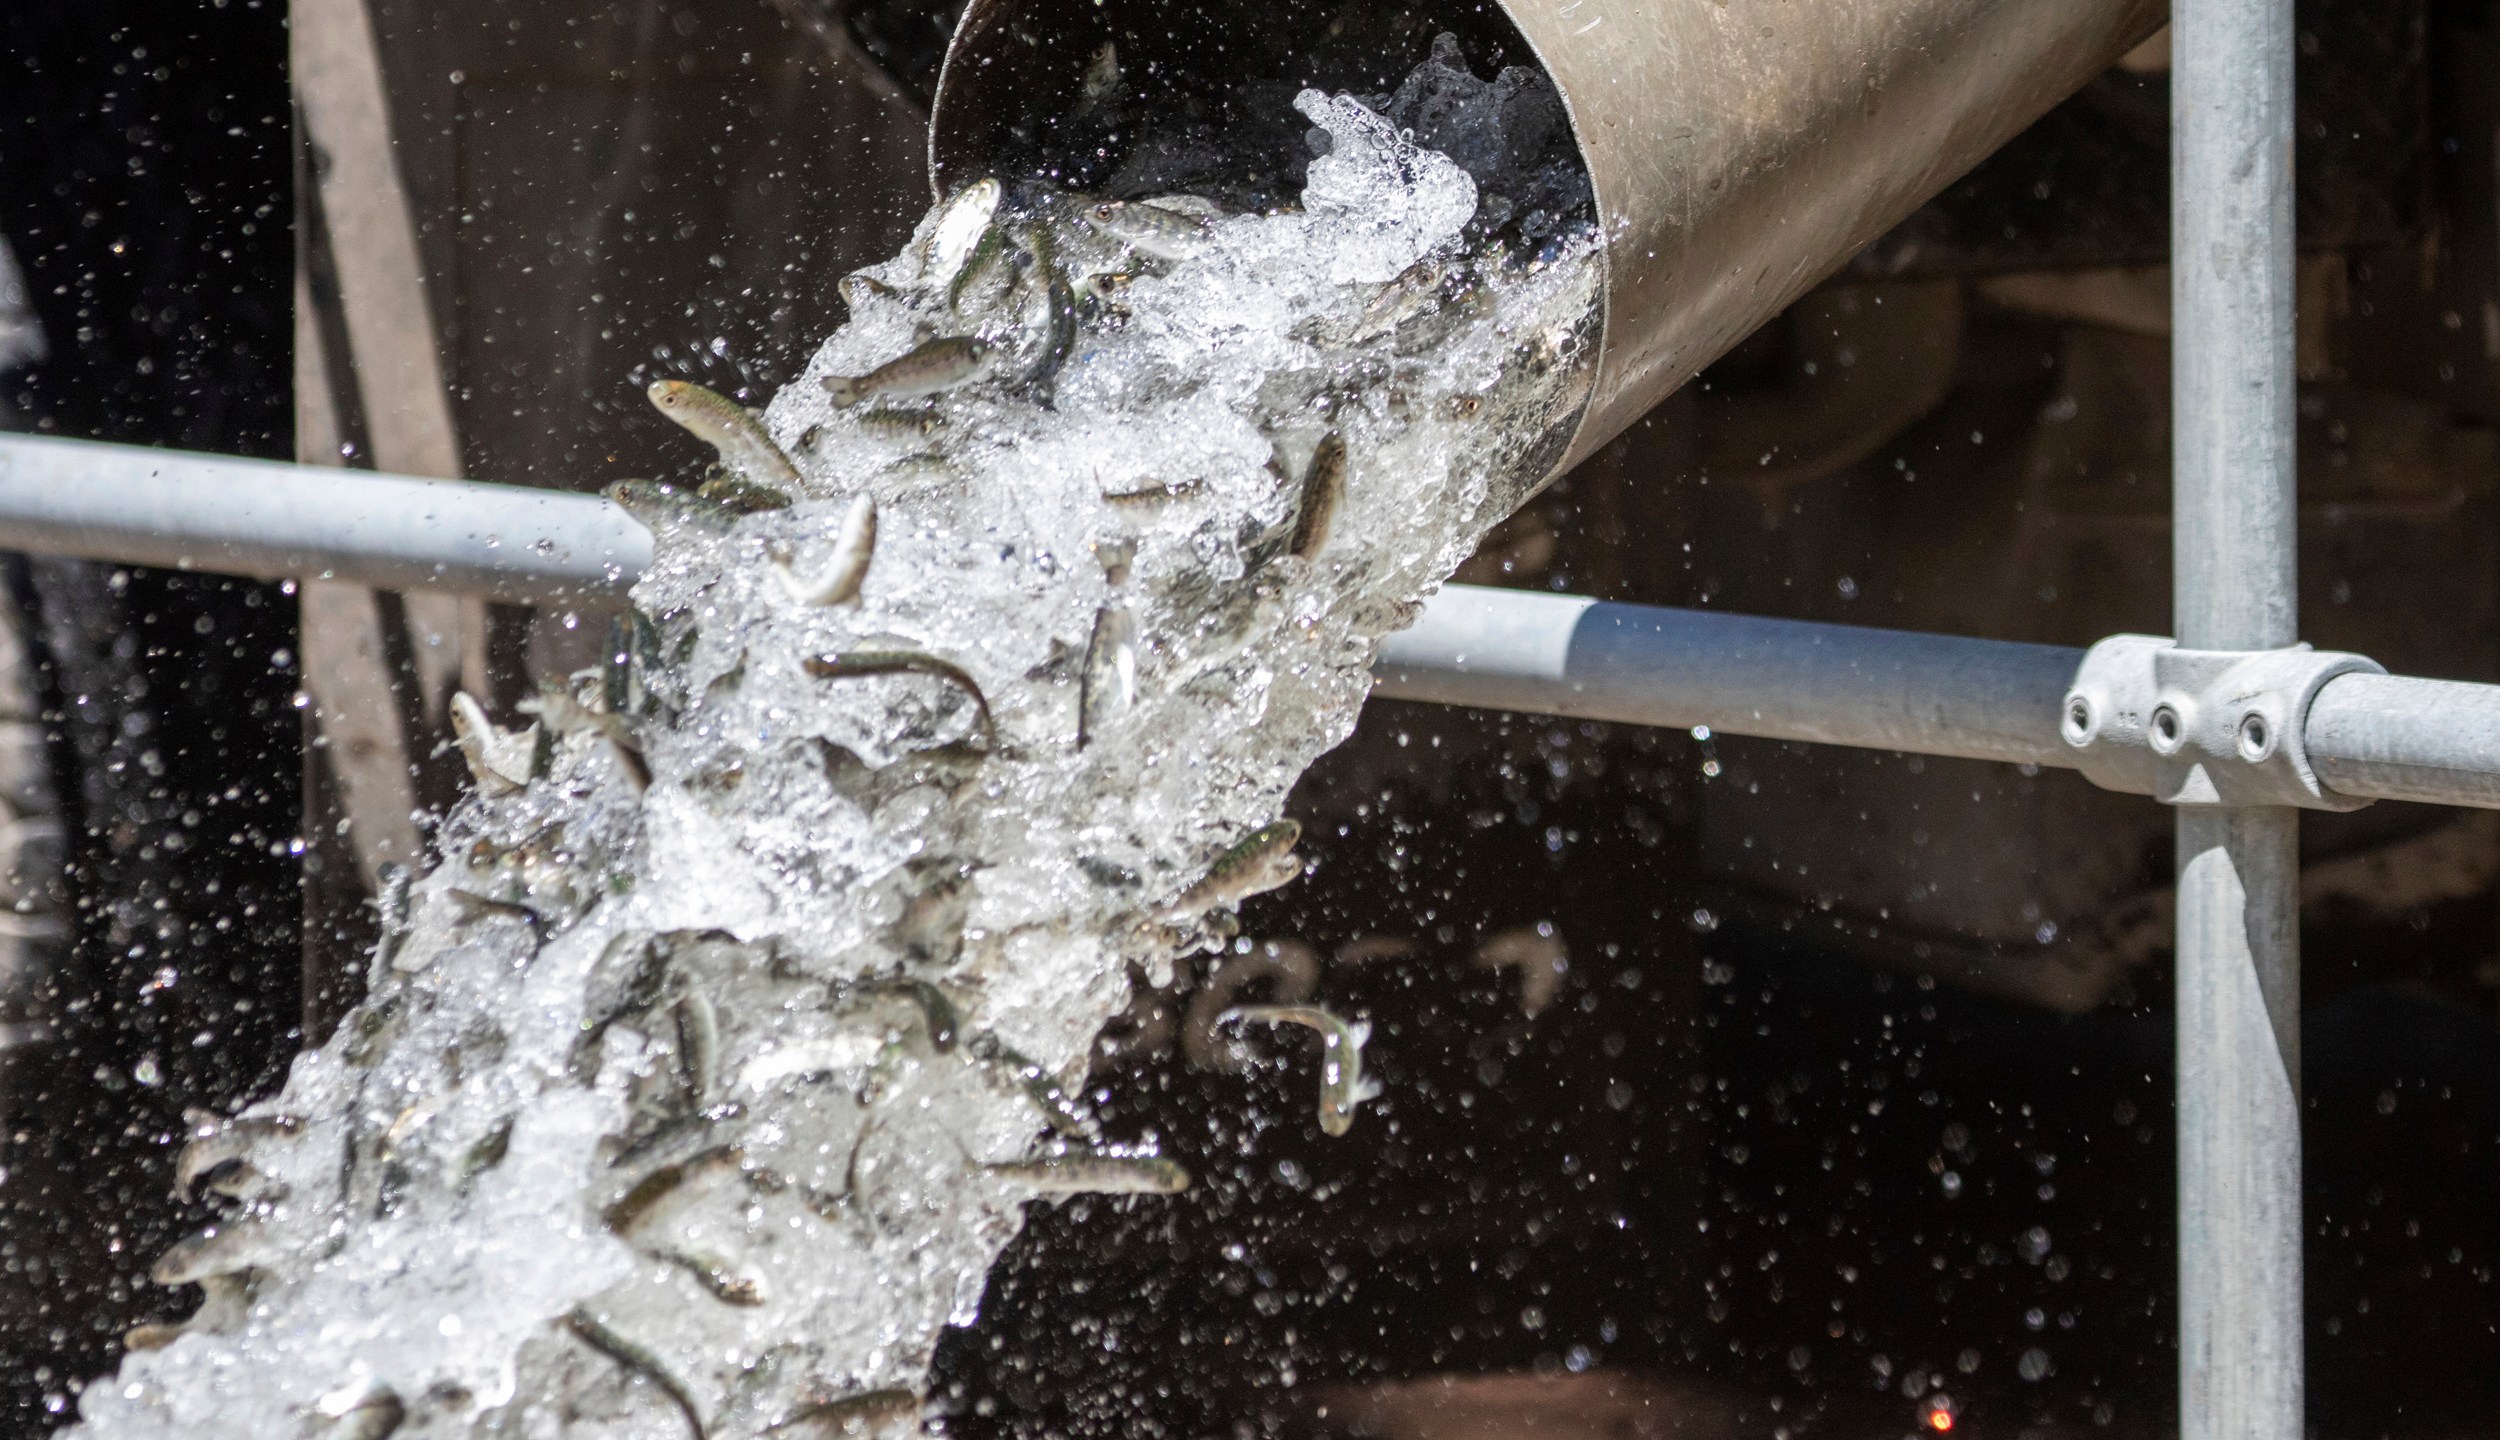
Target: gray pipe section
[
  {"x": 1740, "y": 150},
  {"x": 1739, "y": 674},
  {"x": 2393, "y": 737},
  {"x": 177, "y": 510},
  {"x": 2232, "y": 536}
]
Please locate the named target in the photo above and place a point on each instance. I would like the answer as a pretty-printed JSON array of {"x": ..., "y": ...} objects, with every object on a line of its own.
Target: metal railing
[
  {"x": 2368, "y": 736},
  {"x": 2235, "y": 725}
]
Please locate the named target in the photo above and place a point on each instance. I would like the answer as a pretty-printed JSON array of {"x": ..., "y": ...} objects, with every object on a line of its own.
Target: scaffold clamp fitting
[{"x": 2203, "y": 727}]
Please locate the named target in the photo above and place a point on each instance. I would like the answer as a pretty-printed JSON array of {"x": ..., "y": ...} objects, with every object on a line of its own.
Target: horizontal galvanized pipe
[
  {"x": 177, "y": 510},
  {"x": 2370, "y": 736},
  {"x": 1740, "y": 674},
  {"x": 2394, "y": 737}
]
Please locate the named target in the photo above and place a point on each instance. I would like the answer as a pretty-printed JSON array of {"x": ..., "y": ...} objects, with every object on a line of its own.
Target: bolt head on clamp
[{"x": 2202, "y": 727}]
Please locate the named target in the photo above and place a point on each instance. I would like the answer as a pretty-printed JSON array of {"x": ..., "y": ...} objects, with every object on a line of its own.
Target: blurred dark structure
[
  {"x": 144, "y": 192},
  {"x": 1734, "y": 1088}
]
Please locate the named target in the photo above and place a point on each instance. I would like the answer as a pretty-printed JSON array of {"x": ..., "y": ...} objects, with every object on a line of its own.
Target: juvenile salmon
[
  {"x": 1260, "y": 863},
  {"x": 730, "y": 429},
  {"x": 1342, "y": 1083},
  {"x": 932, "y": 368},
  {"x": 1323, "y": 490},
  {"x": 1151, "y": 229},
  {"x": 1094, "y": 1173}
]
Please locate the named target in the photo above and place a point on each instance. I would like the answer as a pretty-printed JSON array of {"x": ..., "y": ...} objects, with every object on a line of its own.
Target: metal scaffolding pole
[
  {"x": 2370, "y": 736},
  {"x": 2232, "y": 536}
]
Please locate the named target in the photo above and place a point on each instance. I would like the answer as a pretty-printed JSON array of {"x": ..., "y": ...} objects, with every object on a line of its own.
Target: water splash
[{"x": 702, "y": 1080}]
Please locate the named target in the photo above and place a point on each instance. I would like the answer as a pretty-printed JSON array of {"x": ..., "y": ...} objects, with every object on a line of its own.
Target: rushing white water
[{"x": 691, "y": 1108}]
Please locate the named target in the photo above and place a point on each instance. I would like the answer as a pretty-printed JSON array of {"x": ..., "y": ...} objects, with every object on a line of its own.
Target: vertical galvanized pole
[{"x": 2232, "y": 552}]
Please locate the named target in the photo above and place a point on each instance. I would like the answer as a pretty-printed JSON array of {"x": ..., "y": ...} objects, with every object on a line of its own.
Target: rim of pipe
[{"x": 1739, "y": 152}]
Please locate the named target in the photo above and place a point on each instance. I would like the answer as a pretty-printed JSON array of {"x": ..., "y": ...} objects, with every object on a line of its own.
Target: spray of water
[{"x": 750, "y": 1002}]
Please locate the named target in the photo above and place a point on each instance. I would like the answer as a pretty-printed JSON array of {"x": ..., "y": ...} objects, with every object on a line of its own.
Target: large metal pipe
[
  {"x": 2232, "y": 536},
  {"x": 1740, "y": 150}
]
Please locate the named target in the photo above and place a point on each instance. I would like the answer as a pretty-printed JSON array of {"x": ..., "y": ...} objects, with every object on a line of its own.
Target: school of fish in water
[{"x": 754, "y": 990}]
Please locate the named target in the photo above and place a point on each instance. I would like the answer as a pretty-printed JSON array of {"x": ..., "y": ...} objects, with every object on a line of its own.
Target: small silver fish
[
  {"x": 698, "y": 1043},
  {"x": 934, "y": 367},
  {"x": 732, "y": 430},
  {"x": 487, "y": 1153},
  {"x": 989, "y": 253},
  {"x": 655, "y": 503},
  {"x": 937, "y": 1012},
  {"x": 1342, "y": 1083},
  {"x": 840, "y": 1057},
  {"x": 1154, "y": 494},
  {"x": 650, "y": 1195},
  {"x": 858, "y": 663},
  {"x": 410, "y": 1121},
  {"x": 1094, "y": 1173},
  {"x": 853, "y": 1415},
  {"x": 217, "y": 1250},
  {"x": 1402, "y": 298},
  {"x": 959, "y": 230},
  {"x": 1049, "y": 312},
  {"x": 1102, "y": 77},
  {"x": 853, "y": 547},
  {"x": 902, "y": 419},
  {"x": 724, "y": 1280},
  {"x": 860, "y": 288},
  {"x": 501, "y": 761},
  {"x": 741, "y": 496},
  {"x": 1323, "y": 490},
  {"x": 598, "y": 1336},
  {"x": 1109, "y": 687},
  {"x": 216, "y": 1142},
  {"x": 1151, "y": 229},
  {"x": 1260, "y": 863}
]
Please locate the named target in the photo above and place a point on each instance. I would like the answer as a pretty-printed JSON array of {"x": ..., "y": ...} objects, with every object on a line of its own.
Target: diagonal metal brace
[{"x": 2203, "y": 727}]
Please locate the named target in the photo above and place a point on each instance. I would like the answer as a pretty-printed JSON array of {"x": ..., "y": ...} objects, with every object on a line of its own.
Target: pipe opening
[{"x": 1140, "y": 98}]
